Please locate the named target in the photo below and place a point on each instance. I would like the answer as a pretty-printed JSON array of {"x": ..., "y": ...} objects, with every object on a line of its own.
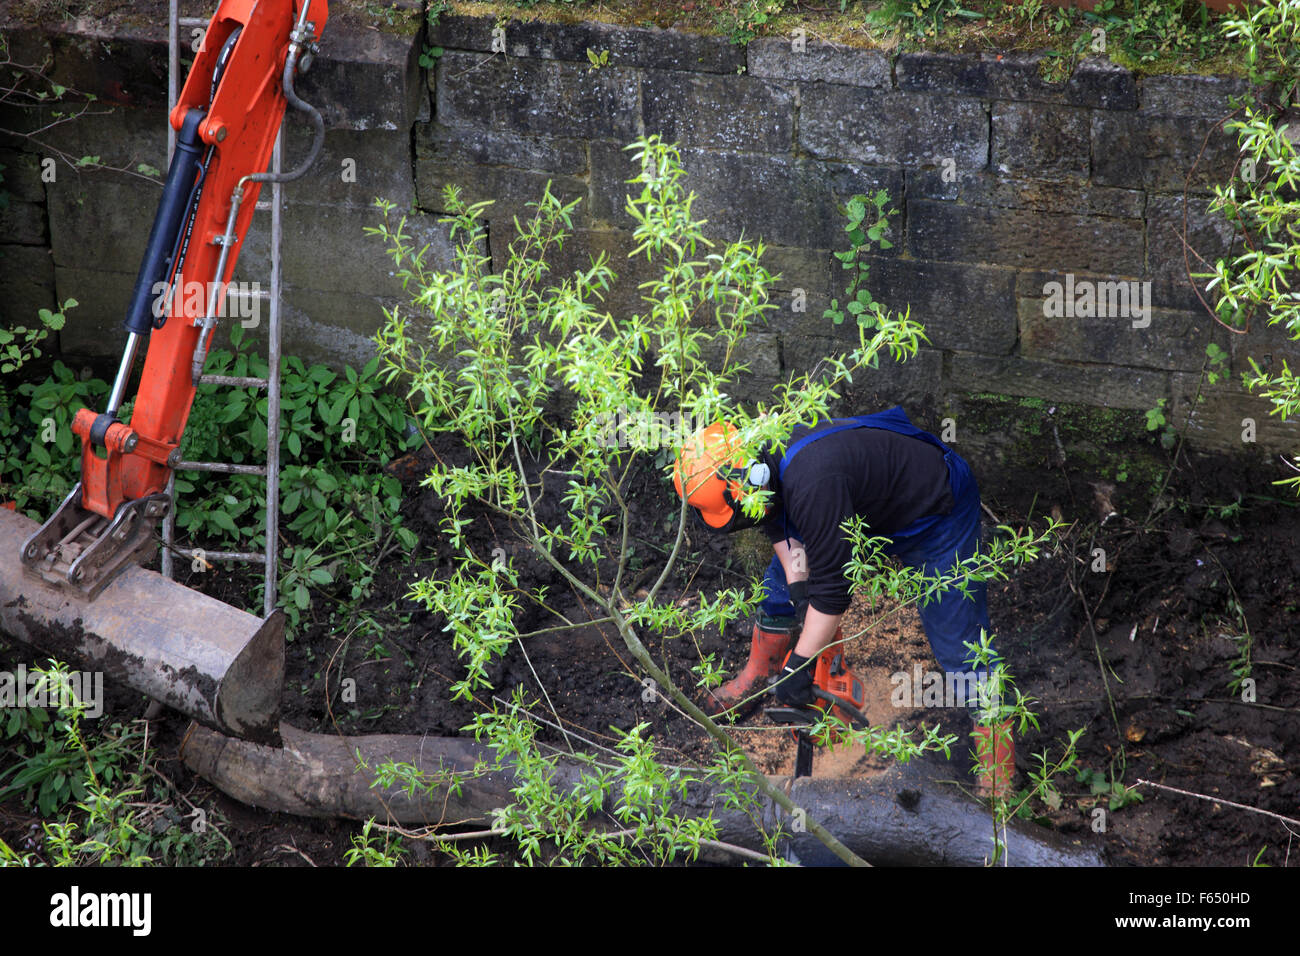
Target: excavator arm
[
  {"x": 227, "y": 120},
  {"x": 80, "y": 569}
]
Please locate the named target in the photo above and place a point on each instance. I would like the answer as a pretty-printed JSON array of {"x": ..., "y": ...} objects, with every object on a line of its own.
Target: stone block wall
[{"x": 1004, "y": 184}]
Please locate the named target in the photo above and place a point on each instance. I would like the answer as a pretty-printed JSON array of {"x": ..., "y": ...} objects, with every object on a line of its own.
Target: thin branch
[
  {"x": 572, "y": 626},
  {"x": 1226, "y": 803},
  {"x": 545, "y": 693}
]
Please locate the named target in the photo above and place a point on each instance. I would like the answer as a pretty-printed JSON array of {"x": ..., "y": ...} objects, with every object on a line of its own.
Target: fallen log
[
  {"x": 906, "y": 815},
  {"x": 213, "y": 662}
]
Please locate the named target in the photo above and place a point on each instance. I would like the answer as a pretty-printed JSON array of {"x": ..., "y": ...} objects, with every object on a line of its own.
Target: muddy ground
[{"x": 1139, "y": 656}]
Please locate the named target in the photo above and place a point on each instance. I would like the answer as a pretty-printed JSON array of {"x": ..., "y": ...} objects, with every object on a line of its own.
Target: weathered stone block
[
  {"x": 931, "y": 71},
  {"x": 760, "y": 352},
  {"x": 27, "y": 42},
  {"x": 625, "y": 297},
  {"x": 914, "y": 384},
  {"x": 1041, "y": 141},
  {"x": 882, "y": 126},
  {"x": 330, "y": 252},
  {"x": 783, "y": 201},
  {"x": 121, "y": 138},
  {"x": 1269, "y": 346},
  {"x": 1107, "y": 385},
  {"x": 1207, "y": 97},
  {"x": 910, "y": 383},
  {"x": 94, "y": 327},
  {"x": 808, "y": 269},
  {"x": 326, "y": 248},
  {"x": 1172, "y": 293},
  {"x": 474, "y": 146},
  {"x": 1180, "y": 292},
  {"x": 961, "y": 306},
  {"x": 981, "y": 188},
  {"x": 795, "y": 315},
  {"x": 26, "y": 284},
  {"x": 1138, "y": 150},
  {"x": 800, "y": 318},
  {"x": 100, "y": 224},
  {"x": 1154, "y": 338},
  {"x": 649, "y": 47},
  {"x": 332, "y": 327},
  {"x": 1101, "y": 84},
  {"x": 1173, "y": 246},
  {"x": 1227, "y": 415},
  {"x": 718, "y": 112},
  {"x": 1024, "y": 238},
  {"x": 1017, "y": 77},
  {"x": 509, "y": 190},
  {"x": 23, "y": 223},
  {"x": 537, "y": 96},
  {"x": 818, "y": 63},
  {"x": 364, "y": 79},
  {"x": 353, "y": 168},
  {"x": 124, "y": 64},
  {"x": 22, "y": 176}
]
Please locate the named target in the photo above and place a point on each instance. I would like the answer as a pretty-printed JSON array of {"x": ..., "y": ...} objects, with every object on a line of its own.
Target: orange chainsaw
[{"x": 837, "y": 691}]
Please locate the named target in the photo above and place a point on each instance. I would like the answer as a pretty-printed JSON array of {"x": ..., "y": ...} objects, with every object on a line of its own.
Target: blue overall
[{"x": 932, "y": 543}]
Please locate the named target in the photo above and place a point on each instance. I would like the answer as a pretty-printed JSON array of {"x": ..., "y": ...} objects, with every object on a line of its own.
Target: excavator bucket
[{"x": 219, "y": 665}]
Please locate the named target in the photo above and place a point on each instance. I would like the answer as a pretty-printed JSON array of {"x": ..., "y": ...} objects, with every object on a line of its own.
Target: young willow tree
[
  {"x": 491, "y": 357},
  {"x": 1262, "y": 200}
]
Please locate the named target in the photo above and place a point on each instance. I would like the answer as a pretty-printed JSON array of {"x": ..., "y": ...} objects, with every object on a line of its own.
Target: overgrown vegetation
[
  {"x": 487, "y": 356},
  {"x": 100, "y": 797},
  {"x": 35, "y": 104},
  {"x": 340, "y": 510},
  {"x": 1141, "y": 34},
  {"x": 96, "y": 787},
  {"x": 1256, "y": 287}
]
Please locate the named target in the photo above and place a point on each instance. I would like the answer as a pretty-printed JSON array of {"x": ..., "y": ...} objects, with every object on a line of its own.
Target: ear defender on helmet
[{"x": 710, "y": 474}]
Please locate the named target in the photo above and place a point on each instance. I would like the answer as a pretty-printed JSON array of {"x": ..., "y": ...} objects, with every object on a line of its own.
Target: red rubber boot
[
  {"x": 772, "y": 640},
  {"x": 995, "y": 752}
]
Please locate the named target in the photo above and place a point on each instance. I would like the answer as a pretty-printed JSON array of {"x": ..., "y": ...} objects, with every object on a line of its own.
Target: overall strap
[{"x": 893, "y": 420}]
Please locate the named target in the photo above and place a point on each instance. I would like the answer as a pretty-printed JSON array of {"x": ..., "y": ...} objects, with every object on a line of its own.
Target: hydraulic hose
[{"x": 301, "y": 36}]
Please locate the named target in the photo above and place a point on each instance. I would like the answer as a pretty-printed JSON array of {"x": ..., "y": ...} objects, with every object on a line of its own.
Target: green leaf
[
  {"x": 332, "y": 414},
  {"x": 223, "y": 521}
]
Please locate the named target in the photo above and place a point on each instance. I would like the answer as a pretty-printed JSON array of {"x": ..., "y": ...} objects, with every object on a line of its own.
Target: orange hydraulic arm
[{"x": 227, "y": 119}]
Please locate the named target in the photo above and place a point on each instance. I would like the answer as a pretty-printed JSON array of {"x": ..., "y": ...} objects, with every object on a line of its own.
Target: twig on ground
[{"x": 1226, "y": 803}]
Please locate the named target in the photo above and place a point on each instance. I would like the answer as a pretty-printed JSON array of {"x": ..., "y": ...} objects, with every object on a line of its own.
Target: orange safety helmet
[{"x": 714, "y": 477}]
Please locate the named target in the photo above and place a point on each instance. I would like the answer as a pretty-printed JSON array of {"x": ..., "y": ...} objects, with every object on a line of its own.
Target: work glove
[
  {"x": 799, "y": 598},
  {"x": 794, "y": 686}
]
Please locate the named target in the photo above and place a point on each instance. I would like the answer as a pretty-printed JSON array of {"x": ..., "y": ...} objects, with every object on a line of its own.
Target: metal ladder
[{"x": 271, "y": 470}]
